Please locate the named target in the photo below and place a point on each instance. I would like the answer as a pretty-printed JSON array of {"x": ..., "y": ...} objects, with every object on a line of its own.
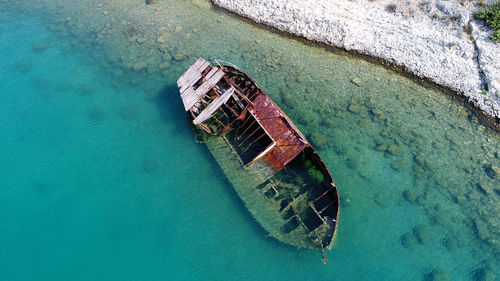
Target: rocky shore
[{"x": 436, "y": 40}]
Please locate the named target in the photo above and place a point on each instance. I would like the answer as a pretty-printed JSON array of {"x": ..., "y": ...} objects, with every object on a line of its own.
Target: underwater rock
[
  {"x": 436, "y": 275},
  {"x": 345, "y": 201},
  {"x": 164, "y": 65},
  {"x": 438, "y": 219},
  {"x": 381, "y": 147},
  {"x": 422, "y": 233},
  {"x": 423, "y": 198},
  {"x": 202, "y": 4},
  {"x": 141, "y": 40},
  {"x": 287, "y": 99},
  {"x": 149, "y": 166},
  {"x": 127, "y": 113},
  {"x": 163, "y": 38},
  {"x": 22, "y": 66},
  {"x": 381, "y": 199},
  {"x": 319, "y": 140},
  {"x": 41, "y": 46},
  {"x": 408, "y": 240},
  {"x": 365, "y": 122},
  {"x": 96, "y": 114},
  {"x": 150, "y": 69},
  {"x": 139, "y": 66},
  {"x": 150, "y": 96},
  {"x": 497, "y": 191},
  {"x": 304, "y": 119},
  {"x": 484, "y": 274},
  {"x": 485, "y": 189},
  {"x": 351, "y": 163},
  {"x": 42, "y": 187},
  {"x": 356, "y": 81},
  {"x": 399, "y": 165},
  {"x": 354, "y": 108},
  {"x": 393, "y": 149},
  {"x": 180, "y": 56},
  {"x": 409, "y": 196},
  {"x": 450, "y": 243},
  {"x": 328, "y": 123},
  {"x": 473, "y": 196},
  {"x": 86, "y": 89},
  {"x": 459, "y": 199},
  {"x": 492, "y": 171},
  {"x": 481, "y": 229},
  {"x": 419, "y": 159},
  {"x": 166, "y": 73},
  {"x": 376, "y": 112},
  {"x": 340, "y": 149}
]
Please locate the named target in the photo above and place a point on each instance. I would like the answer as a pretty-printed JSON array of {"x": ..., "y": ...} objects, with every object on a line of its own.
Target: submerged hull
[{"x": 278, "y": 175}]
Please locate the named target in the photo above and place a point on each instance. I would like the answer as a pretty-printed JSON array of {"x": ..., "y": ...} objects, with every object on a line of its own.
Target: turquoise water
[{"x": 101, "y": 178}]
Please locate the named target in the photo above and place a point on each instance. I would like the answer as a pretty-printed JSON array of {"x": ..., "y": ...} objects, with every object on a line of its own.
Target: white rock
[{"x": 408, "y": 35}]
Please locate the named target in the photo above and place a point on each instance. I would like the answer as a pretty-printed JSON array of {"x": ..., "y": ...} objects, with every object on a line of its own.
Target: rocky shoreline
[{"x": 436, "y": 40}]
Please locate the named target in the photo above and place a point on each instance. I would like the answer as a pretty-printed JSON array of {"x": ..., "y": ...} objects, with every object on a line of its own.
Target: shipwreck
[{"x": 276, "y": 172}]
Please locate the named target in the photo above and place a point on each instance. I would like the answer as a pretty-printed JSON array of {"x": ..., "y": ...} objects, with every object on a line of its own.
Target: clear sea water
[{"x": 101, "y": 178}]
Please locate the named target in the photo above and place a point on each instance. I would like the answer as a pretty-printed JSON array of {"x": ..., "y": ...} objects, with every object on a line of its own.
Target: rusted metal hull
[{"x": 276, "y": 172}]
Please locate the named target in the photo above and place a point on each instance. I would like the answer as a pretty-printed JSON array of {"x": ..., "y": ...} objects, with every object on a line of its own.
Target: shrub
[{"x": 491, "y": 15}]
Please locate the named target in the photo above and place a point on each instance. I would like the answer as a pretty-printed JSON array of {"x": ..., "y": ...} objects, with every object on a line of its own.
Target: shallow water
[{"x": 101, "y": 177}]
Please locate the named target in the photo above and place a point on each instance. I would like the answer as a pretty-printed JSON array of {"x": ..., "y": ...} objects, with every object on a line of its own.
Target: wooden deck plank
[
  {"x": 191, "y": 97},
  {"x": 192, "y": 79},
  {"x": 213, "y": 106},
  {"x": 209, "y": 74},
  {"x": 193, "y": 68}
]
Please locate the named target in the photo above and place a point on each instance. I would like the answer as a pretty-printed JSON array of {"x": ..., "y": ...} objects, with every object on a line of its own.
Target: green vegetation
[{"x": 491, "y": 15}]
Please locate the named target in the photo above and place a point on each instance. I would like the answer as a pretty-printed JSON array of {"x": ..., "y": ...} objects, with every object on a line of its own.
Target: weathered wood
[
  {"x": 207, "y": 112},
  {"x": 191, "y": 90},
  {"x": 193, "y": 76},
  {"x": 191, "y": 97},
  {"x": 191, "y": 80},
  {"x": 193, "y": 68}
]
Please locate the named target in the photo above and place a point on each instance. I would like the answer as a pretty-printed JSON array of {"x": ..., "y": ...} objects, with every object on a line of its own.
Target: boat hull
[{"x": 275, "y": 171}]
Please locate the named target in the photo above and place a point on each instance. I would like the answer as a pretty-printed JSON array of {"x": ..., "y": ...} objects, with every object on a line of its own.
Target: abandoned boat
[{"x": 276, "y": 172}]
